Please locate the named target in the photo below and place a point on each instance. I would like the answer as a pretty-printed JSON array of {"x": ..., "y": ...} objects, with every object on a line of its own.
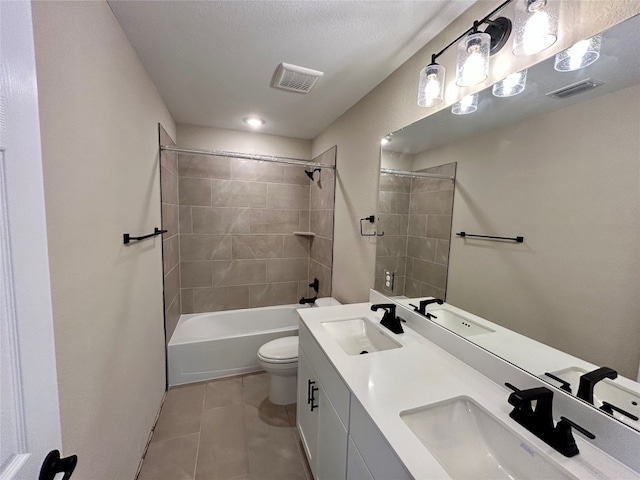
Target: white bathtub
[{"x": 205, "y": 346}]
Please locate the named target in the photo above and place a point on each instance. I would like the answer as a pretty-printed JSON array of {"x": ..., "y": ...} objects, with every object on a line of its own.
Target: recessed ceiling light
[{"x": 254, "y": 122}]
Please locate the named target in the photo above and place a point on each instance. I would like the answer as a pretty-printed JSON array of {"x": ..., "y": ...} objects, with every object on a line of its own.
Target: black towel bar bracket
[
  {"x": 127, "y": 238},
  {"x": 370, "y": 219},
  {"x": 490, "y": 237}
]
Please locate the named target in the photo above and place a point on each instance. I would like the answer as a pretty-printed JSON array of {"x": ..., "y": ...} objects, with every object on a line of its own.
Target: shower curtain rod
[
  {"x": 406, "y": 173},
  {"x": 248, "y": 156}
]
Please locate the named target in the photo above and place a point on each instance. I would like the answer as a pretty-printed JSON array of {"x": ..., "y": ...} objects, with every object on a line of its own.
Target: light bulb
[
  {"x": 580, "y": 55},
  {"x": 431, "y": 87},
  {"x": 512, "y": 85},
  {"x": 473, "y": 59},
  {"x": 535, "y": 26},
  {"x": 254, "y": 122},
  {"x": 468, "y": 104}
]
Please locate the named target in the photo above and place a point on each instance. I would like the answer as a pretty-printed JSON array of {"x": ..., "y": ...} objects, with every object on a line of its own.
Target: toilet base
[{"x": 283, "y": 390}]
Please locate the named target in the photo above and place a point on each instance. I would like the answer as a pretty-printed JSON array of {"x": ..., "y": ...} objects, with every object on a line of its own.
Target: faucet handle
[{"x": 563, "y": 440}]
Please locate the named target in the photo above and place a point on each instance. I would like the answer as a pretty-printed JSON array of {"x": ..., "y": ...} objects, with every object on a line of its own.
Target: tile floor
[{"x": 222, "y": 430}]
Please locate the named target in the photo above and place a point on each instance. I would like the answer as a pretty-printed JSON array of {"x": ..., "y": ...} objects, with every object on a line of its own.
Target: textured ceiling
[{"x": 213, "y": 62}]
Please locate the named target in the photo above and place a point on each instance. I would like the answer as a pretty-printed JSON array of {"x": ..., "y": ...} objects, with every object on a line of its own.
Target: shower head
[{"x": 311, "y": 173}]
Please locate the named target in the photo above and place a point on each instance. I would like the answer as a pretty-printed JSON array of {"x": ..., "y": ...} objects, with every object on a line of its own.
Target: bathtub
[{"x": 205, "y": 346}]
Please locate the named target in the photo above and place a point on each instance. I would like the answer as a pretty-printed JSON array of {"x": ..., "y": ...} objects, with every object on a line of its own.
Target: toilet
[{"x": 279, "y": 357}]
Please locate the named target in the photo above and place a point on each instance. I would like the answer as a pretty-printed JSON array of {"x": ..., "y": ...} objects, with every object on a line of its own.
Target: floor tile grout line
[{"x": 204, "y": 401}]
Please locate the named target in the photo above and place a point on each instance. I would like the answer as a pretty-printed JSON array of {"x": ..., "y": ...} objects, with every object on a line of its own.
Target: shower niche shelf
[{"x": 305, "y": 234}]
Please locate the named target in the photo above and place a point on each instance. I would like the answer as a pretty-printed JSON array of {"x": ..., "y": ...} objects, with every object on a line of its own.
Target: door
[{"x": 30, "y": 416}]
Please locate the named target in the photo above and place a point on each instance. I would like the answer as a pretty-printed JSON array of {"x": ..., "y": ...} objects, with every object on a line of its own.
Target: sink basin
[
  {"x": 358, "y": 335},
  {"x": 469, "y": 442},
  {"x": 458, "y": 324},
  {"x": 605, "y": 390}
]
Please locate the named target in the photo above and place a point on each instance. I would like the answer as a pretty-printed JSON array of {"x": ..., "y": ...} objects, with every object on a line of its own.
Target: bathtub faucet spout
[{"x": 307, "y": 300}]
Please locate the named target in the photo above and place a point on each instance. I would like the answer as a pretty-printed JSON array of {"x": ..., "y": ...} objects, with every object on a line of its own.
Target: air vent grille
[
  {"x": 294, "y": 78},
  {"x": 575, "y": 88}
]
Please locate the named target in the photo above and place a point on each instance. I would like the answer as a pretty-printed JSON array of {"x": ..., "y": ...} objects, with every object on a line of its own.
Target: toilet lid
[{"x": 285, "y": 348}]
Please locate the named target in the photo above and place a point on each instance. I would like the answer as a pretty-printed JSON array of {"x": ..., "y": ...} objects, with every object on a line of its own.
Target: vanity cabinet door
[
  {"x": 332, "y": 441},
  {"x": 356, "y": 468},
  {"x": 307, "y": 419}
]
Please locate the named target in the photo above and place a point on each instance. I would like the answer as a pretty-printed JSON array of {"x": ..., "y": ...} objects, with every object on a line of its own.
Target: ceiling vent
[
  {"x": 294, "y": 78},
  {"x": 575, "y": 88}
]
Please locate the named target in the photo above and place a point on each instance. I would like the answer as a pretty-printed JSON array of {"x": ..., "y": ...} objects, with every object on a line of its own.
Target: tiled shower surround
[
  {"x": 237, "y": 248},
  {"x": 415, "y": 216}
]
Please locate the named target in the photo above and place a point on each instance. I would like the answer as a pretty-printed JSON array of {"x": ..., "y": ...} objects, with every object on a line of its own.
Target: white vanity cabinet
[
  {"x": 322, "y": 431},
  {"x": 339, "y": 438}
]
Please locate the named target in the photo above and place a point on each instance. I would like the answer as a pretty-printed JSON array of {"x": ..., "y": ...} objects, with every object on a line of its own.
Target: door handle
[
  {"x": 310, "y": 384},
  {"x": 313, "y": 397}
]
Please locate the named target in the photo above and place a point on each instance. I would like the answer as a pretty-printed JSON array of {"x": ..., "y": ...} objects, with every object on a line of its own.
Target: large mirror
[{"x": 563, "y": 172}]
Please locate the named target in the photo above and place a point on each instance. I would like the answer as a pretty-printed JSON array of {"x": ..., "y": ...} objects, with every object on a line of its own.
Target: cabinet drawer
[
  {"x": 333, "y": 385},
  {"x": 380, "y": 459}
]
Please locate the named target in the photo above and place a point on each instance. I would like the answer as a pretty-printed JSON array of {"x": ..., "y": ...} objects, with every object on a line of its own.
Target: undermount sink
[
  {"x": 469, "y": 442},
  {"x": 458, "y": 324},
  {"x": 358, "y": 335},
  {"x": 604, "y": 391}
]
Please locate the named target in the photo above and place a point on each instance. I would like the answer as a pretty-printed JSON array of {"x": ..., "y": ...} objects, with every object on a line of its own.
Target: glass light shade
[
  {"x": 512, "y": 85},
  {"x": 535, "y": 26},
  {"x": 431, "y": 88},
  {"x": 580, "y": 55},
  {"x": 468, "y": 104},
  {"x": 473, "y": 59}
]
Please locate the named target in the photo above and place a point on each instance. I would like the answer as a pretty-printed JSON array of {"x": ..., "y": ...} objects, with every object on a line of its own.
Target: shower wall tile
[
  {"x": 186, "y": 299},
  {"x": 196, "y": 274},
  {"x": 304, "y": 291},
  {"x": 431, "y": 291},
  {"x": 220, "y": 298},
  {"x": 194, "y": 191},
  {"x": 287, "y": 196},
  {"x": 442, "y": 252},
  {"x": 269, "y": 294},
  {"x": 257, "y": 246},
  {"x": 170, "y": 253},
  {"x": 322, "y": 251},
  {"x": 252, "y": 171},
  {"x": 392, "y": 224},
  {"x": 287, "y": 269},
  {"x": 195, "y": 248},
  {"x": 417, "y": 225},
  {"x": 295, "y": 175},
  {"x": 172, "y": 283},
  {"x": 168, "y": 186},
  {"x": 391, "y": 246},
  {"x": 421, "y": 185},
  {"x": 321, "y": 223},
  {"x": 422, "y": 247},
  {"x": 226, "y": 193},
  {"x": 274, "y": 221},
  {"x": 430, "y": 273},
  {"x": 439, "y": 226},
  {"x": 393, "y": 202},
  {"x": 170, "y": 219},
  {"x": 323, "y": 274},
  {"x": 392, "y": 264},
  {"x": 204, "y": 166},
  {"x": 239, "y": 272},
  {"x": 171, "y": 317},
  {"x": 184, "y": 218},
  {"x": 394, "y": 183},
  {"x": 220, "y": 220},
  {"x": 303, "y": 221},
  {"x": 296, "y": 246},
  {"x": 322, "y": 193},
  {"x": 432, "y": 203}
]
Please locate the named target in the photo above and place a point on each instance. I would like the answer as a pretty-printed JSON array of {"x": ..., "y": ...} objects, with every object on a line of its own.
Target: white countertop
[{"x": 421, "y": 373}]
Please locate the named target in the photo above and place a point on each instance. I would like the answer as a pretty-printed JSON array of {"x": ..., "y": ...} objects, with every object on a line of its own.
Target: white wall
[
  {"x": 392, "y": 105},
  {"x": 572, "y": 191},
  {"x": 208, "y": 138},
  {"x": 99, "y": 113}
]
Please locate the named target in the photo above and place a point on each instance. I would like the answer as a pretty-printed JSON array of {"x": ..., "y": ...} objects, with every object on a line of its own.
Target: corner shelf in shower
[{"x": 305, "y": 234}]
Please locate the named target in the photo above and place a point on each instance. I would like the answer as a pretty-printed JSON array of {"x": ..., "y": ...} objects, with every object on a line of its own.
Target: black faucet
[
  {"x": 307, "y": 300},
  {"x": 589, "y": 380},
  {"x": 422, "y": 308},
  {"x": 539, "y": 421},
  {"x": 389, "y": 319}
]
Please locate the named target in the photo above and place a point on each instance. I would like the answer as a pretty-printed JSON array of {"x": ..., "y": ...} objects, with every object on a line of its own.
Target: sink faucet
[
  {"x": 539, "y": 421},
  {"x": 389, "y": 319},
  {"x": 589, "y": 380},
  {"x": 422, "y": 308}
]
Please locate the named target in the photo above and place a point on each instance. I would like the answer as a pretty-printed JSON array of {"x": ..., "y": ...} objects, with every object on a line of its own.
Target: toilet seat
[{"x": 280, "y": 351}]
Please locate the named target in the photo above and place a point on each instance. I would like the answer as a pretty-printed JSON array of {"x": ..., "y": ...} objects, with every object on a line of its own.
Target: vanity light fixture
[
  {"x": 512, "y": 85},
  {"x": 255, "y": 122},
  {"x": 468, "y": 104},
  {"x": 580, "y": 55},
  {"x": 473, "y": 57},
  {"x": 535, "y": 25}
]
